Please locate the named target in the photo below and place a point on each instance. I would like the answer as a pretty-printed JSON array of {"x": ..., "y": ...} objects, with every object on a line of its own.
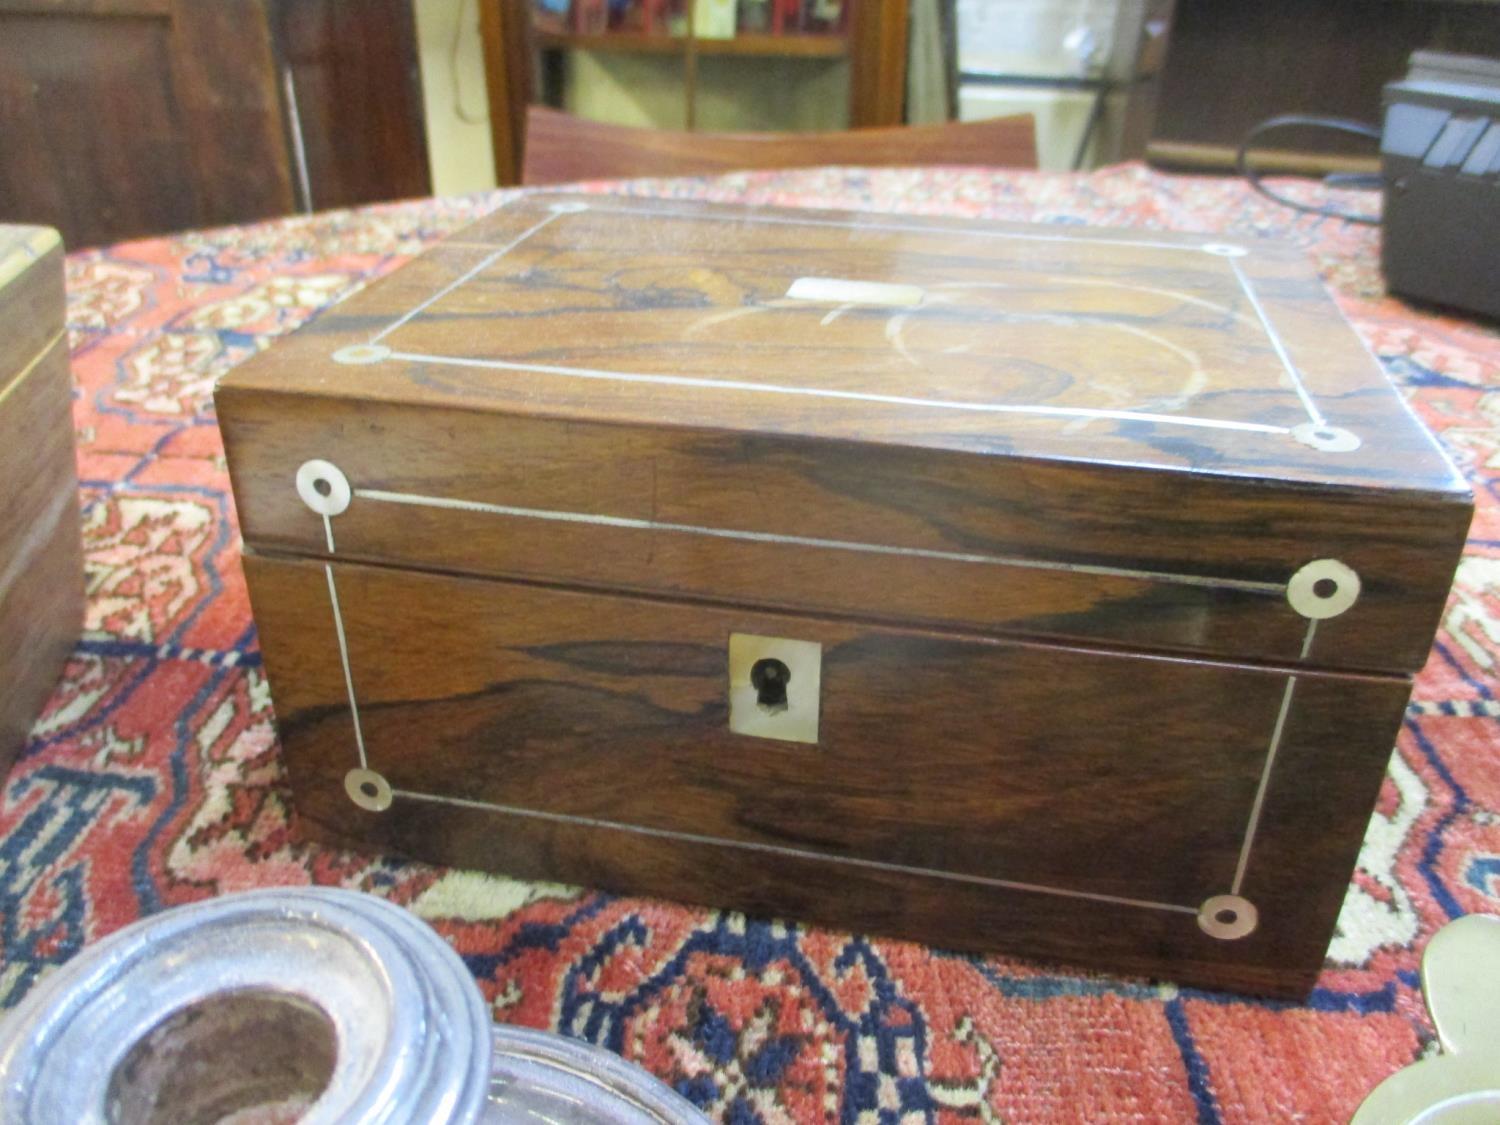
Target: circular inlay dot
[
  {"x": 323, "y": 487},
  {"x": 1322, "y": 589},
  {"x": 1228, "y": 917},
  {"x": 361, "y": 354},
  {"x": 368, "y": 790},
  {"x": 1325, "y": 438}
]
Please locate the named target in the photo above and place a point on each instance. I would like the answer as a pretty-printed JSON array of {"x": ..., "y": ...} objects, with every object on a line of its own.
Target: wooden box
[
  {"x": 41, "y": 554},
  {"x": 1096, "y": 565}
]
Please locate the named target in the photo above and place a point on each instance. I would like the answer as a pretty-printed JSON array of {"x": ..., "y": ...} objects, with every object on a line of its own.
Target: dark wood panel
[
  {"x": 89, "y": 121},
  {"x": 1232, "y": 65},
  {"x": 358, "y": 97},
  {"x": 957, "y": 767},
  {"x": 561, "y": 148},
  {"x": 125, "y": 119},
  {"x": 130, "y": 119},
  {"x": 229, "y": 104}
]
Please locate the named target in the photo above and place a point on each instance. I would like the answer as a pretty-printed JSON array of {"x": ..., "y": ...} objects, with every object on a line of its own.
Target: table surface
[{"x": 153, "y": 778}]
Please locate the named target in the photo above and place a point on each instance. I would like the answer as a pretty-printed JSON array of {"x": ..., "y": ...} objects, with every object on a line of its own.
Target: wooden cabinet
[{"x": 121, "y": 118}]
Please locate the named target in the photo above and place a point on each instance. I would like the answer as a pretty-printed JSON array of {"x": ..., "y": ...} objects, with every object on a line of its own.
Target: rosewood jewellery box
[{"x": 1009, "y": 588}]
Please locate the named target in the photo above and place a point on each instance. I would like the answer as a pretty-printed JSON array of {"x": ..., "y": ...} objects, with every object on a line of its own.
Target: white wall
[
  {"x": 1061, "y": 116},
  {"x": 1050, "y": 39},
  {"x": 734, "y": 94},
  {"x": 458, "y": 130},
  {"x": 1033, "y": 36}
]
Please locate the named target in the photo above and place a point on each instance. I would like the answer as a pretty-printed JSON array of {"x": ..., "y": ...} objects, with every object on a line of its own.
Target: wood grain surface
[
  {"x": 1010, "y": 317},
  {"x": 947, "y": 770},
  {"x": 41, "y": 553}
]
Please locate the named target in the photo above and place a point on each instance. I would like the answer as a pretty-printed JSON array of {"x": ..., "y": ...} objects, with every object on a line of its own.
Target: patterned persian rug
[{"x": 153, "y": 777}]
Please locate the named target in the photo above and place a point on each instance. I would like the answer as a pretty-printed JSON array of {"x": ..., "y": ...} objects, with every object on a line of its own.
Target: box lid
[{"x": 1119, "y": 437}]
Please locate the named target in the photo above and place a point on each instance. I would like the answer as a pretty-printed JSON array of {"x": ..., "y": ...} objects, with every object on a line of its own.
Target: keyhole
[{"x": 769, "y": 678}]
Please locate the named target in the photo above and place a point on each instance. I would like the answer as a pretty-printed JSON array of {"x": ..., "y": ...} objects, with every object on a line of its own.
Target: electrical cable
[
  {"x": 1096, "y": 111},
  {"x": 1336, "y": 179},
  {"x": 453, "y": 52}
]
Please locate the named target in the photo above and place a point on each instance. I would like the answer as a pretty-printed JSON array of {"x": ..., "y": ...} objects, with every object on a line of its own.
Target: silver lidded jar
[{"x": 307, "y": 1004}]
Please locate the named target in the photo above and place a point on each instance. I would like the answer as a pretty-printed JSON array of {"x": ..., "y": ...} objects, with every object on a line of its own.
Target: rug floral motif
[{"x": 153, "y": 777}]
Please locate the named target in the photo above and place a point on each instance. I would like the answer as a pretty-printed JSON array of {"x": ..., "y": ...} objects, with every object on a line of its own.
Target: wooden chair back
[{"x": 561, "y": 148}]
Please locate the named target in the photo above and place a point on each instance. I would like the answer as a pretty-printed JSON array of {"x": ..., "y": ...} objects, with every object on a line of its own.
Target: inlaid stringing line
[
  {"x": 857, "y": 396},
  {"x": 299, "y": 144},
  {"x": 1418, "y": 426},
  {"x": 1307, "y": 642},
  {"x": 484, "y": 264},
  {"x": 895, "y": 228},
  {"x": 338, "y": 628},
  {"x": 778, "y": 849},
  {"x": 328, "y": 532},
  {"x": 1313, "y": 413},
  {"x": 1258, "y": 805},
  {"x": 1274, "y": 588},
  {"x": 44, "y": 352}
]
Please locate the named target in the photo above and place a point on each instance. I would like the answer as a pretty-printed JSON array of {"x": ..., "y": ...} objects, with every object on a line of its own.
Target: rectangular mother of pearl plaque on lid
[{"x": 1027, "y": 589}]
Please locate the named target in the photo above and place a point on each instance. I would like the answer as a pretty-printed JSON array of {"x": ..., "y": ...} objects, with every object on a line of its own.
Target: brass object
[{"x": 1460, "y": 1085}]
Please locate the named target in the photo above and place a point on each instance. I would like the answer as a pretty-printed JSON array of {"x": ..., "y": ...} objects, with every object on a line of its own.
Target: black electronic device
[{"x": 1440, "y": 162}]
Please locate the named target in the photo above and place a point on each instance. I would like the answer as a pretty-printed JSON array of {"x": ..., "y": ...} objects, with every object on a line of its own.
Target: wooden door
[
  {"x": 128, "y": 117},
  {"x": 355, "y": 90},
  {"x": 120, "y": 118}
]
